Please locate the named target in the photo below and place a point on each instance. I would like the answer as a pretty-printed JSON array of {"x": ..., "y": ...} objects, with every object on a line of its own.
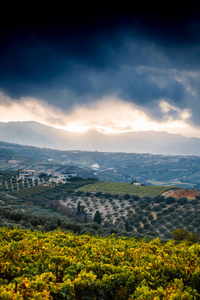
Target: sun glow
[{"x": 109, "y": 115}]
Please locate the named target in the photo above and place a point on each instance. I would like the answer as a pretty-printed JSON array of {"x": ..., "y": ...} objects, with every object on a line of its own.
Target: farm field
[
  {"x": 124, "y": 209},
  {"x": 123, "y": 188},
  {"x": 155, "y": 215},
  {"x": 178, "y": 193},
  {"x": 62, "y": 265}
]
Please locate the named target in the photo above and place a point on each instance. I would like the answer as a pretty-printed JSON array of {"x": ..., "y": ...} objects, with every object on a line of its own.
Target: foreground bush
[{"x": 57, "y": 265}]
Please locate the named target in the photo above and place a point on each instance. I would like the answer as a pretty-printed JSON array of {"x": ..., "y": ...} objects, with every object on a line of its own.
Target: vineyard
[
  {"x": 123, "y": 188},
  {"x": 59, "y": 265}
]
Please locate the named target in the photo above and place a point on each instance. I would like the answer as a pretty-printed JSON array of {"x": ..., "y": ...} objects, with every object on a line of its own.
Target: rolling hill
[
  {"x": 36, "y": 134},
  {"x": 162, "y": 170}
]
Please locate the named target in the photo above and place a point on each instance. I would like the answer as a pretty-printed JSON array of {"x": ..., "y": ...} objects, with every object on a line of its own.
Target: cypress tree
[{"x": 97, "y": 217}]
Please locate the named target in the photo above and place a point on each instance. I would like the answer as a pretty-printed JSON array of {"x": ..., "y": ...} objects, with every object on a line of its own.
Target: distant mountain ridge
[{"x": 36, "y": 134}]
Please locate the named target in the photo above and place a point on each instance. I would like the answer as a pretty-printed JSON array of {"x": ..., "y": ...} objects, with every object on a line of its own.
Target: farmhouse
[
  {"x": 63, "y": 177},
  {"x": 27, "y": 174},
  {"x": 136, "y": 183},
  {"x": 54, "y": 179}
]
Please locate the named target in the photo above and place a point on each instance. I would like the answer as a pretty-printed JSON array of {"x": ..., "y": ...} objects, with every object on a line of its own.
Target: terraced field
[{"x": 123, "y": 188}]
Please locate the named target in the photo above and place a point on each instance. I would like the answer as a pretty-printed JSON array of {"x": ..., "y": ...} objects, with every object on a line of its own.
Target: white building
[
  {"x": 27, "y": 174},
  {"x": 63, "y": 177},
  {"x": 54, "y": 179},
  {"x": 136, "y": 183}
]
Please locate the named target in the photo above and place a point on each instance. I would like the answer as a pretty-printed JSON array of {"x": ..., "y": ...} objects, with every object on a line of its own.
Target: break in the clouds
[
  {"x": 108, "y": 115},
  {"x": 115, "y": 71}
]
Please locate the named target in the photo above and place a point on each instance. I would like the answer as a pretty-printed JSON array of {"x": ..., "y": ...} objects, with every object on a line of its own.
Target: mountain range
[{"x": 40, "y": 135}]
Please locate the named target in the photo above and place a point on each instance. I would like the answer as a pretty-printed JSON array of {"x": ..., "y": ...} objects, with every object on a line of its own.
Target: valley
[
  {"x": 134, "y": 194},
  {"x": 159, "y": 170}
]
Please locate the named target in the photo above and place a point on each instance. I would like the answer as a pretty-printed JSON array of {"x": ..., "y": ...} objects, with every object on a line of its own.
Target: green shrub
[{"x": 182, "y": 200}]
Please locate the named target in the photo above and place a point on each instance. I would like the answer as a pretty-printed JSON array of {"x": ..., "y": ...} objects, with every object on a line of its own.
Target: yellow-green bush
[{"x": 57, "y": 265}]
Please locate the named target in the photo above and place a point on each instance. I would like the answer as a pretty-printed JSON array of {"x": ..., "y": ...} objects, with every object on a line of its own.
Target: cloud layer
[
  {"x": 108, "y": 115},
  {"x": 142, "y": 65}
]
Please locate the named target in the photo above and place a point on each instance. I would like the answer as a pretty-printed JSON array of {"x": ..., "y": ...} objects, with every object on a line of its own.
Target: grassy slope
[{"x": 123, "y": 188}]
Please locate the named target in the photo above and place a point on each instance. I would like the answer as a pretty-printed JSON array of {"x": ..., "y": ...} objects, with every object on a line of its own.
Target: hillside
[
  {"x": 124, "y": 188},
  {"x": 161, "y": 170},
  {"x": 72, "y": 206}
]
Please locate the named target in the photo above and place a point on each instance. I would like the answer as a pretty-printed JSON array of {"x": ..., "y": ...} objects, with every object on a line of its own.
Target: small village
[{"x": 50, "y": 178}]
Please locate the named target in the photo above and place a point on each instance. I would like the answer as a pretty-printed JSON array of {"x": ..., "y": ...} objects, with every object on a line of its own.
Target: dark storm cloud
[{"x": 138, "y": 55}]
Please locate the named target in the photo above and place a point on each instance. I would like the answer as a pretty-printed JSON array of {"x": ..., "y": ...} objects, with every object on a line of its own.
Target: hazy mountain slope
[{"x": 36, "y": 134}]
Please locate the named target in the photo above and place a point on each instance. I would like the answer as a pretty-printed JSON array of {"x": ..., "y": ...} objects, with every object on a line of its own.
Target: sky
[{"x": 114, "y": 70}]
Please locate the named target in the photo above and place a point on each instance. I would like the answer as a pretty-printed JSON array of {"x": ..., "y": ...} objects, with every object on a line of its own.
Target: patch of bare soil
[{"x": 178, "y": 193}]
